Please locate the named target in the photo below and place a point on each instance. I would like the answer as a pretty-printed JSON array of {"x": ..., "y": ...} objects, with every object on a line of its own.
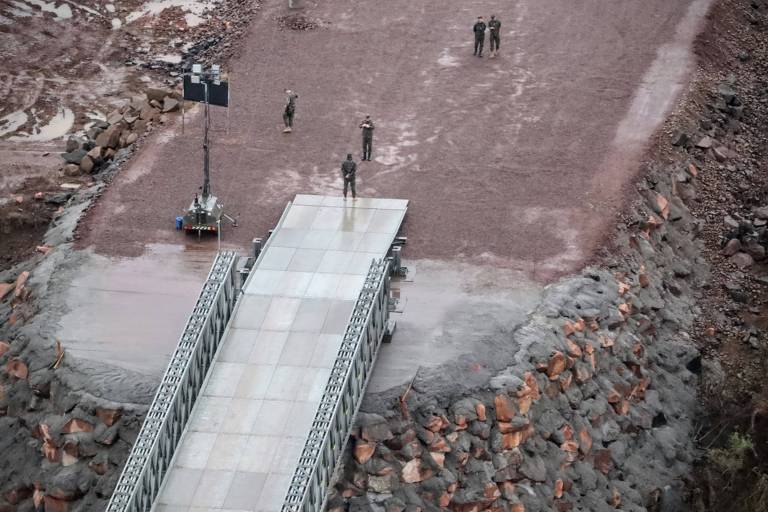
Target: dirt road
[{"x": 517, "y": 161}]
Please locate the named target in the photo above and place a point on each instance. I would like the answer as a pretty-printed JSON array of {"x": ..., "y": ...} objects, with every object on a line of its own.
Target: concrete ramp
[{"x": 286, "y": 352}]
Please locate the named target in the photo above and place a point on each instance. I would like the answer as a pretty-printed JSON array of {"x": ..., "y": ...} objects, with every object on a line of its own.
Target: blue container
[{"x": 179, "y": 222}]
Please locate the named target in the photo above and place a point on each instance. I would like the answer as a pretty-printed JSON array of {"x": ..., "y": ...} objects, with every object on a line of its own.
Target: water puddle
[
  {"x": 57, "y": 127},
  {"x": 170, "y": 58},
  {"x": 130, "y": 312},
  {"x": 12, "y": 122},
  {"x": 62, "y": 11},
  {"x": 194, "y": 10},
  {"x": 447, "y": 310}
]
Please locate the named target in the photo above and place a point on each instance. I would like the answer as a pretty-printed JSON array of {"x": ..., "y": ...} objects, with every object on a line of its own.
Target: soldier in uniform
[
  {"x": 494, "y": 27},
  {"x": 290, "y": 109},
  {"x": 367, "y": 127},
  {"x": 479, "y": 30},
  {"x": 348, "y": 170}
]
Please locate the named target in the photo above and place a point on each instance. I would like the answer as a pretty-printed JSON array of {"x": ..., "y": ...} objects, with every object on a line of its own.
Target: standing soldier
[
  {"x": 348, "y": 170},
  {"x": 494, "y": 26},
  {"x": 367, "y": 126},
  {"x": 479, "y": 30},
  {"x": 290, "y": 109}
]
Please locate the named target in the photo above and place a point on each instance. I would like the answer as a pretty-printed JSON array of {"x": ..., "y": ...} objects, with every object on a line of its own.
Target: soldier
[
  {"x": 367, "y": 127},
  {"x": 348, "y": 170},
  {"x": 290, "y": 109},
  {"x": 494, "y": 27},
  {"x": 479, "y": 30}
]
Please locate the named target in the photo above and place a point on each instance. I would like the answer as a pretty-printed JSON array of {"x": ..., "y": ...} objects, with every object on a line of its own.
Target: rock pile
[
  {"x": 595, "y": 411},
  {"x": 123, "y": 127},
  {"x": 72, "y": 443}
]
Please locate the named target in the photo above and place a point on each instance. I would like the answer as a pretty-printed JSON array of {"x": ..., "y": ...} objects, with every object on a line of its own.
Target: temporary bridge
[{"x": 259, "y": 397}]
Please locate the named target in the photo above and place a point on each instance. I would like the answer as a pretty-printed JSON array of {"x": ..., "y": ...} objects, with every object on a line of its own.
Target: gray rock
[
  {"x": 705, "y": 143},
  {"x": 533, "y": 468},
  {"x": 74, "y": 157}
]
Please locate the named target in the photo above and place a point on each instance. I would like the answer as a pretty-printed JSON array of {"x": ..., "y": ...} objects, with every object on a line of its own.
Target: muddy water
[
  {"x": 130, "y": 311},
  {"x": 448, "y": 310}
]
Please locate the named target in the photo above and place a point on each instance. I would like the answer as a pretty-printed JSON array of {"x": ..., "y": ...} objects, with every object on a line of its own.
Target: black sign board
[{"x": 218, "y": 94}]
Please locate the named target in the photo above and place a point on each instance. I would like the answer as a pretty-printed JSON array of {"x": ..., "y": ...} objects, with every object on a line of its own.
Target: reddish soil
[{"x": 500, "y": 158}]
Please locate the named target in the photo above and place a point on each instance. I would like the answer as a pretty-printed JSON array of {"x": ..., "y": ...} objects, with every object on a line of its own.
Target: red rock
[
  {"x": 570, "y": 446},
  {"x": 76, "y": 425},
  {"x": 602, "y": 461},
  {"x": 434, "y": 424},
  {"x": 108, "y": 416},
  {"x": 567, "y": 431},
  {"x": 623, "y": 289},
  {"x": 533, "y": 385},
  {"x": 663, "y": 206},
  {"x": 621, "y": 407},
  {"x": 491, "y": 491},
  {"x": 505, "y": 409},
  {"x": 614, "y": 396},
  {"x": 439, "y": 445},
  {"x": 643, "y": 280},
  {"x": 558, "y": 489},
  {"x": 625, "y": 309},
  {"x": 573, "y": 349},
  {"x": 585, "y": 441},
  {"x": 439, "y": 458},
  {"x": 480, "y": 410},
  {"x": 524, "y": 404},
  {"x": 692, "y": 170},
  {"x": 445, "y": 500},
  {"x": 565, "y": 381},
  {"x": 5, "y": 289},
  {"x": 742, "y": 260},
  {"x": 55, "y": 505},
  {"x": 511, "y": 440},
  {"x": 732, "y": 247},
  {"x": 50, "y": 451},
  {"x": 556, "y": 365},
  {"x": 414, "y": 472},
  {"x": 17, "y": 368},
  {"x": 615, "y": 501},
  {"x": 517, "y": 507},
  {"x": 20, "y": 281},
  {"x": 364, "y": 451},
  {"x": 4, "y": 347}
]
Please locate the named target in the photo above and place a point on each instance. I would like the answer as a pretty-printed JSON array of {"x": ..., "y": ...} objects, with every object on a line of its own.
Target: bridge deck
[{"x": 250, "y": 423}]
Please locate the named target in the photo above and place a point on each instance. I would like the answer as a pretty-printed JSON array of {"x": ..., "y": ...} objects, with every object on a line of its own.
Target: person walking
[
  {"x": 494, "y": 31},
  {"x": 348, "y": 170},
  {"x": 367, "y": 127},
  {"x": 290, "y": 110},
  {"x": 479, "y": 30}
]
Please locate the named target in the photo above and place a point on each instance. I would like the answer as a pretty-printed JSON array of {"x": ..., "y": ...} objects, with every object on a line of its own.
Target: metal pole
[
  {"x": 218, "y": 232},
  {"x": 206, "y": 159}
]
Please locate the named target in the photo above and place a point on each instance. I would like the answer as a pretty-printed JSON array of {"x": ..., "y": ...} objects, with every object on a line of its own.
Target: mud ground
[{"x": 496, "y": 171}]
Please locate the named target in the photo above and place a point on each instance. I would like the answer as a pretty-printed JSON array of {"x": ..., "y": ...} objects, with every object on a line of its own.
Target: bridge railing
[
  {"x": 343, "y": 394},
  {"x": 156, "y": 443}
]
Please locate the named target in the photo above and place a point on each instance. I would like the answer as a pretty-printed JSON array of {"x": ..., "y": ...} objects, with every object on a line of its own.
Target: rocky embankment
[
  {"x": 627, "y": 376},
  {"x": 66, "y": 425},
  {"x": 596, "y": 412}
]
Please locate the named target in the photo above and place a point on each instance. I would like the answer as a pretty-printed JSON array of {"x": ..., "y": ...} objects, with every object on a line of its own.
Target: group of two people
[
  {"x": 494, "y": 29},
  {"x": 348, "y": 167}
]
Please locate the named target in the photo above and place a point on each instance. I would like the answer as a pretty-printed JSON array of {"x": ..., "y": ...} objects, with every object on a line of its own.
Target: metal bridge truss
[
  {"x": 153, "y": 450},
  {"x": 343, "y": 394}
]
